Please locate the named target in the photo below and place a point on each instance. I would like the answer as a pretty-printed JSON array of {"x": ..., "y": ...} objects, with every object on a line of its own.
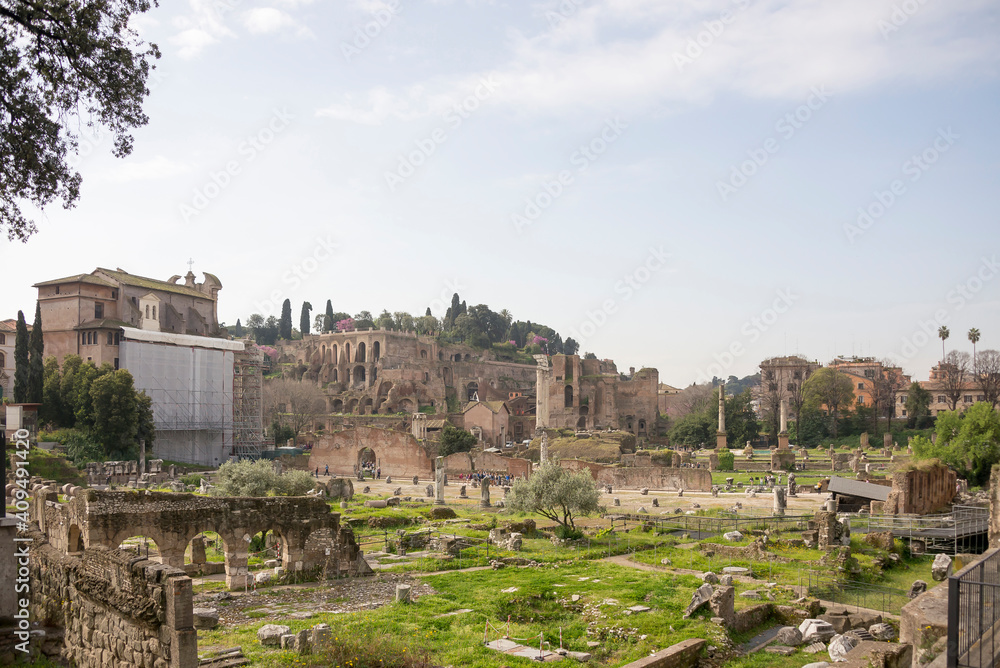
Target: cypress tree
[
  {"x": 304, "y": 319},
  {"x": 285, "y": 323},
  {"x": 238, "y": 333},
  {"x": 328, "y": 317},
  {"x": 36, "y": 349},
  {"x": 21, "y": 360}
]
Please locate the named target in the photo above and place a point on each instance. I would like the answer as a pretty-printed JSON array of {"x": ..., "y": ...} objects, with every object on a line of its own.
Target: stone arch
[
  {"x": 359, "y": 355},
  {"x": 333, "y": 354},
  {"x": 352, "y": 406},
  {"x": 366, "y": 406},
  {"x": 458, "y": 357},
  {"x": 642, "y": 428},
  {"x": 406, "y": 405},
  {"x": 337, "y": 406},
  {"x": 568, "y": 397},
  {"x": 472, "y": 391},
  {"x": 358, "y": 375},
  {"x": 440, "y": 356},
  {"x": 335, "y": 375},
  {"x": 581, "y": 423},
  {"x": 467, "y": 357},
  {"x": 423, "y": 354},
  {"x": 376, "y": 351},
  {"x": 74, "y": 542},
  {"x": 347, "y": 352},
  {"x": 158, "y": 549}
]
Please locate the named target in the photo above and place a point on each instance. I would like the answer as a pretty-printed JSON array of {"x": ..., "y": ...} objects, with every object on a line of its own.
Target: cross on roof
[{"x": 190, "y": 264}]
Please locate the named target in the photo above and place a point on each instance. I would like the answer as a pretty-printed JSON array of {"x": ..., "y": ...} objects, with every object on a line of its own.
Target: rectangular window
[
  {"x": 98, "y": 311},
  {"x": 861, "y": 399},
  {"x": 116, "y": 366},
  {"x": 111, "y": 338},
  {"x": 861, "y": 386},
  {"x": 980, "y": 397},
  {"x": 940, "y": 399},
  {"x": 57, "y": 289},
  {"x": 147, "y": 310},
  {"x": 967, "y": 398},
  {"x": 114, "y": 294},
  {"x": 117, "y": 338},
  {"x": 904, "y": 412},
  {"x": 3, "y": 339}
]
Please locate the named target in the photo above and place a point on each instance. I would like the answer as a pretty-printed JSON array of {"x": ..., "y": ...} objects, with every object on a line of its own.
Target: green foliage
[
  {"x": 455, "y": 440},
  {"x": 65, "y": 66},
  {"x": 831, "y": 388},
  {"x": 192, "y": 479},
  {"x": 556, "y": 493},
  {"x": 82, "y": 448},
  {"x": 328, "y": 317},
  {"x": 116, "y": 414},
  {"x": 265, "y": 332},
  {"x": 726, "y": 461},
  {"x": 700, "y": 425},
  {"x": 281, "y": 433},
  {"x": 21, "y": 360},
  {"x": 969, "y": 442},
  {"x": 258, "y": 479},
  {"x": 304, "y": 318},
  {"x": 695, "y": 428},
  {"x": 918, "y": 402}
]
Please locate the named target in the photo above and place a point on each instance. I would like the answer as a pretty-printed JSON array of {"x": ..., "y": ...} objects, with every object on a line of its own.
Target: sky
[{"x": 693, "y": 185}]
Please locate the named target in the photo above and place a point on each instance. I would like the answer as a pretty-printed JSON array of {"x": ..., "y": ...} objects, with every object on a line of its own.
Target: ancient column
[
  {"x": 720, "y": 437},
  {"x": 484, "y": 491},
  {"x": 544, "y": 454},
  {"x": 439, "y": 481},
  {"x": 142, "y": 456},
  {"x": 779, "y": 502},
  {"x": 783, "y": 433}
]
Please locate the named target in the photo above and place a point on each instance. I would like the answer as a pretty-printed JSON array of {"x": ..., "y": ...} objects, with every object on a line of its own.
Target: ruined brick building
[{"x": 379, "y": 372}]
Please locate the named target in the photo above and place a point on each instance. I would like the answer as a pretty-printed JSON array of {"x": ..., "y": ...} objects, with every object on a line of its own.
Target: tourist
[
  {"x": 378, "y": 473},
  {"x": 317, "y": 471},
  {"x": 327, "y": 471}
]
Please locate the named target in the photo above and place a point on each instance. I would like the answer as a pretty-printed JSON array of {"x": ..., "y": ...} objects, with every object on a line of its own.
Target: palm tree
[
  {"x": 507, "y": 318},
  {"x": 974, "y": 337},
  {"x": 943, "y": 334}
]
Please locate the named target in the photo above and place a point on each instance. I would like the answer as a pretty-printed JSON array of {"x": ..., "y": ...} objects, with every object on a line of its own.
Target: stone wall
[
  {"x": 995, "y": 507},
  {"x": 487, "y": 462},
  {"x": 652, "y": 477},
  {"x": 115, "y": 608},
  {"x": 682, "y": 655},
  {"x": 921, "y": 491},
  {"x": 398, "y": 454}
]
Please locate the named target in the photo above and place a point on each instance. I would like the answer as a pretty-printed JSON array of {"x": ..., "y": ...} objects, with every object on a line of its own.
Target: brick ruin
[
  {"x": 311, "y": 536},
  {"x": 919, "y": 491},
  {"x": 638, "y": 477},
  {"x": 385, "y": 372}
]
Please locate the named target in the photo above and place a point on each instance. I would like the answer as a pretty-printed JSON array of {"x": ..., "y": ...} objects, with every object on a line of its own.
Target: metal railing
[
  {"x": 974, "y": 614},
  {"x": 707, "y": 525},
  {"x": 853, "y": 593},
  {"x": 962, "y": 530}
]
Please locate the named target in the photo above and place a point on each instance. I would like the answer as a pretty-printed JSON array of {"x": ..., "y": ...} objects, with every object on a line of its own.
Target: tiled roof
[
  {"x": 152, "y": 283},
  {"x": 104, "y": 323},
  {"x": 495, "y": 406},
  {"x": 79, "y": 278}
]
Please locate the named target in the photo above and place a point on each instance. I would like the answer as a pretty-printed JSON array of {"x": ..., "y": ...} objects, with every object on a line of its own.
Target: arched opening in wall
[
  {"x": 75, "y": 542},
  {"x": 427, "y": 377},
  {"x": 335, "y": 376},
  {"x": 376, "y": 351},
  {"x": 458, "y": 357},
  {"x": 629, "y": 421},
  {"x": 472, "y": 391},
  {"x": 337, "y": 406},
  {"x": 347, "y": 353},
  {"x": 446, "y": 375},
  {"x": 142, "y": 546},
  {"x": 581, "y": 422},
  {"x": 642, "y": 428},
  {"x": 358, "y": 376},
  {"x": 264, "y": 546},
  {"x": 440, "y": 356},
  {"x": 367, "y": 406},
  {"x": 206, "y": 548},
  {"x": 373, "y": 375},
  {"x": 360, "y": 354},
  {"x": 423, "y": 354},
  {"x": 467, "y": 358},
  {"x": 323, "y": 354},
  {"x": 366, "y": 460},
  {"x": 584, "y": 409},
  {"x": 405, "y": 405},
  {"x": 352, "y": 406},
  {"x": 568, "y": 397},
  {"x": 333, "y": 354}
]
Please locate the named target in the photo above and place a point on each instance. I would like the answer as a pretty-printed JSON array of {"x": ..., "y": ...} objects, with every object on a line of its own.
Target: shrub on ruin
[
  {"x": 726, "y": 461},
  {"x": 258, "y": 478}
]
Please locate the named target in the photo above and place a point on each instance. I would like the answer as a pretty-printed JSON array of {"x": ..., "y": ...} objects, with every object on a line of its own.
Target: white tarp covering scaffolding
[{"x": 190, "y": 381}]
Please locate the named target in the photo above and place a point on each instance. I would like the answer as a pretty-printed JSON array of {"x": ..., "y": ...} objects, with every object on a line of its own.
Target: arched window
[{"x": 568, "y": 394}]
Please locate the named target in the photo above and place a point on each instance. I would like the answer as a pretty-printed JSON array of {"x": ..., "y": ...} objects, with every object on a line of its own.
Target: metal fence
[
  {"x": 974, "y": 614},
  {"x": 702, "y": 526},
  {"x": 853, "y": 593}
]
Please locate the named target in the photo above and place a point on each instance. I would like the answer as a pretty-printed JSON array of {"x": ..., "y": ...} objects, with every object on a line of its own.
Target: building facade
[{"x": 83, "y": 314}]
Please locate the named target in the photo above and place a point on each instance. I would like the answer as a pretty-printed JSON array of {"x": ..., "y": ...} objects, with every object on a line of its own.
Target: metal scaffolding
[{"x": 248, "y": 416}]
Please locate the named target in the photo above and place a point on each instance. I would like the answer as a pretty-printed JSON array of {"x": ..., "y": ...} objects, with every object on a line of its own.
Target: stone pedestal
[
  {"x": 782, "y": 459},
  {"x": 783, "y": 440},
  {"x": 720, "y": 441},
  {"x": 713, "y": 461},
  {"x": 484, "y": 493}
]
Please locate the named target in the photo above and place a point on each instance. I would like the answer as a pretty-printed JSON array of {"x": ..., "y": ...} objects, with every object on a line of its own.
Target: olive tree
[{"x": 556, "y": 493}]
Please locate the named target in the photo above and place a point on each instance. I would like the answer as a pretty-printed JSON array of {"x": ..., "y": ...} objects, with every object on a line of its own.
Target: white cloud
[
  {"x": 645, "y": 54},
  {"x": 204, "y": 25},
  {"x": 156, "y": 168},
  {"x": 266, "y": 20}
]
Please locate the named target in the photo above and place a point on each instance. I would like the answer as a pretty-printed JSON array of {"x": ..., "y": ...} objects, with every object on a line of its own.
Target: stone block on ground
[
  {"x": 270, "y": 634},
  {"x": 702, "y": 595},
  {"x": 816, "y": 630},
  {"x": 205, "y": 618},
  {"x": 840, "y": 645},
  {"x": 789, "y": 636},
  {"x": 710, "y": 578},
  {"x": 918, "y": 588},
  {"x": 733, "y": 536},
  {"x": 780, "y": 649},
  {"x": 882, "y": 631},
  {"x": 815, "y": 648},
  {"x": 941, "y": 568}
]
